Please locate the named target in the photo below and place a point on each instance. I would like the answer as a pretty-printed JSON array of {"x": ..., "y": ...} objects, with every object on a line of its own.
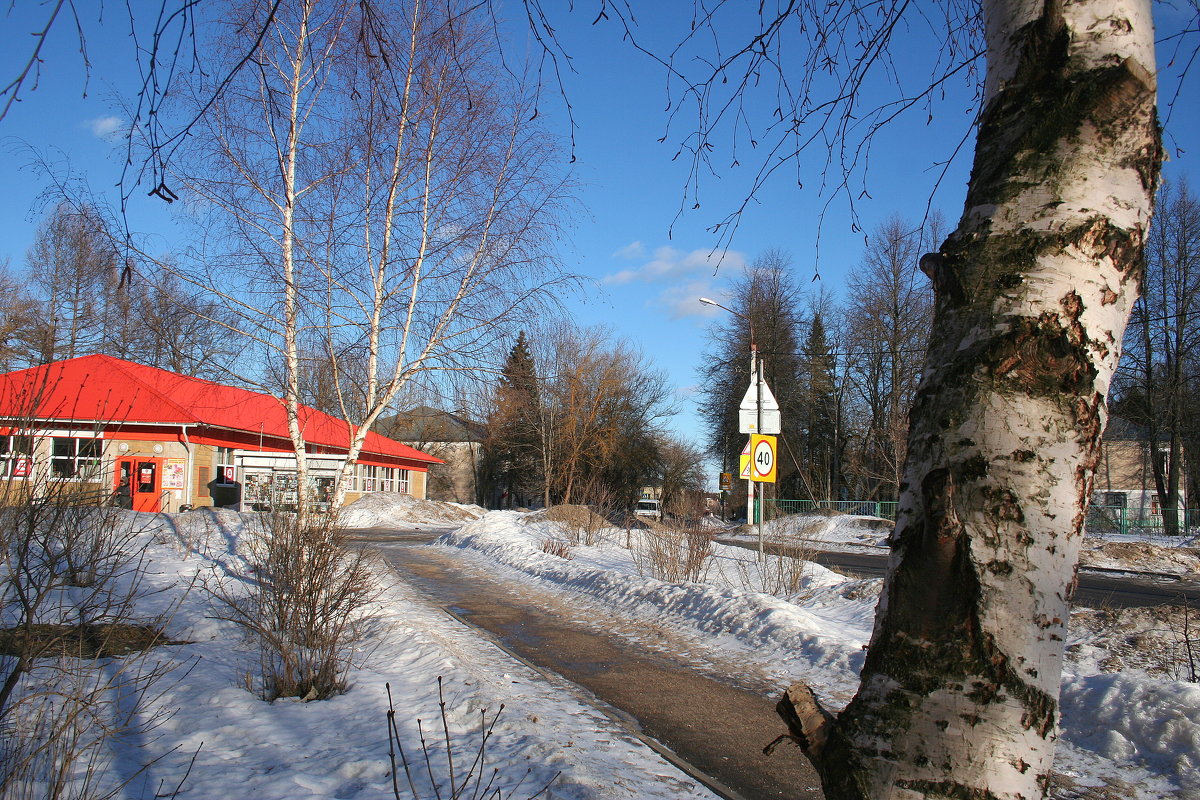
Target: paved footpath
[{"x": 718, "y": 730}]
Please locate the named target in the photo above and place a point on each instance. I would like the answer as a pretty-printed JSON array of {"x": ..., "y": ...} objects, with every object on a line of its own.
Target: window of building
[
  {"x": 1116, "y": 499},
  {"x": 226, "y": 470},
  {"x": 75, "y": 458},
  {"x": 370, "y": 477},
  {"x": 16, "y": 456},
  {"x": 402, "y": 484}
]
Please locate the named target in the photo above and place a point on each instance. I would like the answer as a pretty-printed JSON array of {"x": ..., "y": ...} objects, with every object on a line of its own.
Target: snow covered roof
[{"x": 104, "y": 389}]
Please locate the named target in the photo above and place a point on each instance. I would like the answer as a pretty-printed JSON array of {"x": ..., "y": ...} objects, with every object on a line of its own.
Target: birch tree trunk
[{"x": 959, "y": 692}]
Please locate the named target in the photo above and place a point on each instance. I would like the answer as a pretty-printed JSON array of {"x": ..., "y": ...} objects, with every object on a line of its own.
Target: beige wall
[
  {"x": 455, "y": 480},
  {"x": 1124, "y": 466}
]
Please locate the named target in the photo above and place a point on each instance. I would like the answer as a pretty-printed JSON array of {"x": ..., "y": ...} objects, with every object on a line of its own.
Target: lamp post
[{"x": 752, "y": 509}]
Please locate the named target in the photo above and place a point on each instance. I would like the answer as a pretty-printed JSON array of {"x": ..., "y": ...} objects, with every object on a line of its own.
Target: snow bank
[
  {"x": 1140, "y": 724},
  {"x": 830, "y": 647},
  {"x": 392, "y": 509}
]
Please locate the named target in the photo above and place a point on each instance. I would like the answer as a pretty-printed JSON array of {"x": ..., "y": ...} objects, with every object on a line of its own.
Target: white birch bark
[
  {"x": 291, "y": 295},
  {"x": 960, "y": 688}
]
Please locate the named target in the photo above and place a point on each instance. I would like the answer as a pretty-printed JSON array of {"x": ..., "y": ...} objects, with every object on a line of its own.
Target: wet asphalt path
[{"x": 716, "y": 729}]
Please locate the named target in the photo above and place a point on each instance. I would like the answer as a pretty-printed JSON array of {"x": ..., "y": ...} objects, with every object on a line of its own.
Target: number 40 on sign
[{"x": 762, "y": 458}]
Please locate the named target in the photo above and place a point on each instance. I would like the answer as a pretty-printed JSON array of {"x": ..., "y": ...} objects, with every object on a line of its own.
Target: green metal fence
[
  {"x": 1135, "y": 521},
  {"x": 1100, "y": 519}
]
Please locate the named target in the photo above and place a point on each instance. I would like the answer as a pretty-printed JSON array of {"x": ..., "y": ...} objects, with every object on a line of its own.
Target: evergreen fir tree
[
  {"x": 511, "y": 467},
  {"x": 823, "y": 430}
]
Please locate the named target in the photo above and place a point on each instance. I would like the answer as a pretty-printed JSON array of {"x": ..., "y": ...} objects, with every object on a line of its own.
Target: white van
[{"x": 648, "y": 508}]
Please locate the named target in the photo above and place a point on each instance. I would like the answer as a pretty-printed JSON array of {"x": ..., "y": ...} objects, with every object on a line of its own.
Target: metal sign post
[{"x": 758, "y": 415}]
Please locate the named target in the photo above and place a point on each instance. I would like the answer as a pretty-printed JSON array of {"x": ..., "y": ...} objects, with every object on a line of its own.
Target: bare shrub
[
  {"x": 452, "y": 782},
  {"x": 306, "y": 606},
  {"x": 72, "y": 668},
  {"x": 778, "y": 575},
  {"x": 556, "y": 547},
  {"x": 674, "y": 555},
  {"x": 582, "y": 524},
  {"x": 603, "y": 504},
  {"x": 1188, "y": 642}
]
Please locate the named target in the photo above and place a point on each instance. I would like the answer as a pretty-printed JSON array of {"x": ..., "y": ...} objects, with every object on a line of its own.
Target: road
[{"x": 1097, "y": 589}]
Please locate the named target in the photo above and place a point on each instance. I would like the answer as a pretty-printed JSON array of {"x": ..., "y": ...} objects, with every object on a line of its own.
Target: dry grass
[
  {"x": 674, "y": 555},
  {"x": 557, "y": 547},
  {"x": 1163, "y": 641},
  {"x": 80, "y": 641}
]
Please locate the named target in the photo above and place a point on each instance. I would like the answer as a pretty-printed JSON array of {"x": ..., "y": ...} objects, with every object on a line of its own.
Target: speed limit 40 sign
[{"x": 762, "y": 458}]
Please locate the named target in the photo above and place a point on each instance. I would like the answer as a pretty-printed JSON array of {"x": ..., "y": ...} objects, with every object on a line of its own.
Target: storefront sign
[{"x": 175, "y": 473}]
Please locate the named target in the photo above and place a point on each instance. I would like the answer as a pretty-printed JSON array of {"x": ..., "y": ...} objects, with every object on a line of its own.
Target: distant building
[
  {"x": 1125, "y": 475},
  {"x": 451, "y": 437},
  {"x": 168, "y": 440}
]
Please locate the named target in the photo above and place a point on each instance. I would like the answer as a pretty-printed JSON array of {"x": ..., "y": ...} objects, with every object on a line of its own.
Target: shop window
[
  {"x": 75, "y": 458},
  {"x": 226, "y": 469},
  {"x": 16, "y": 456}
]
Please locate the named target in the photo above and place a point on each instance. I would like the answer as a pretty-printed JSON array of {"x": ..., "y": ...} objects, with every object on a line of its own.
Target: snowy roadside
[
  {"x": 215, "y": 738},
  {"x": 1168, "y": 555},
  {"x": 1137, "y": 729}
]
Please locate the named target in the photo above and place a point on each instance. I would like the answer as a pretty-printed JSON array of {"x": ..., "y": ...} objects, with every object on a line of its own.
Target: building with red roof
[{"x": 162, "y": 441}]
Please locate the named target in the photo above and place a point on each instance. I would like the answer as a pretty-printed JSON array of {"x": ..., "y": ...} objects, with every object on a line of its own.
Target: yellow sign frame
[{"x": 762, "y": 451}]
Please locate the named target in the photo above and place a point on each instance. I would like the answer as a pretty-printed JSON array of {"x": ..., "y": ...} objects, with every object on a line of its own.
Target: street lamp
[
  {"x": 749, "y": 322},
  {"x": 752, "y": 509}
]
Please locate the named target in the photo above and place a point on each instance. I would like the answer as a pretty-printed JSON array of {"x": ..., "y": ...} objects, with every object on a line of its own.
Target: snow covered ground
[
  {"x": 1136, "y": 730},
  {"x": 1129, "y": 723},
  {"x": 216, "y": 739}
]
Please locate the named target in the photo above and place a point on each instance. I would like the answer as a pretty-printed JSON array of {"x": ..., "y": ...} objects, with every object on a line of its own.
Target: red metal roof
[{"x": 105, "y": 389}]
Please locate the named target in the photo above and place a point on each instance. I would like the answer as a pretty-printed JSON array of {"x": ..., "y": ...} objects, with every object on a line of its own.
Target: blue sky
[{"x": 645, "y": 274}]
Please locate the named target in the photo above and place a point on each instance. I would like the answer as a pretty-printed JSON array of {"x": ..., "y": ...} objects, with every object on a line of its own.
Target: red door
[{"x": 143, "y": 476}]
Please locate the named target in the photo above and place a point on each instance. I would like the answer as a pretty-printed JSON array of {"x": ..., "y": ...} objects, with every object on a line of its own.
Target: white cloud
[
  {"x": 683, "y": 300},
  {"x": 105, "y": 127},
  {"x": 671, "y": 264},
  {"x": 630, "y": 251}
]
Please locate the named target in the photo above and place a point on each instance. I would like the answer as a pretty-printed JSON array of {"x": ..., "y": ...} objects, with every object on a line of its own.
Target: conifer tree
[
  {"x": 821, "y": 417},
  {"x": 511, "y": 463}
]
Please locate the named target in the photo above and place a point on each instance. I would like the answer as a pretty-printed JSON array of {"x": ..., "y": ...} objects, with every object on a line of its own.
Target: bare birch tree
[
  {"x": 392, "y": 200},
  {"x": 959, "y": 692}
]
